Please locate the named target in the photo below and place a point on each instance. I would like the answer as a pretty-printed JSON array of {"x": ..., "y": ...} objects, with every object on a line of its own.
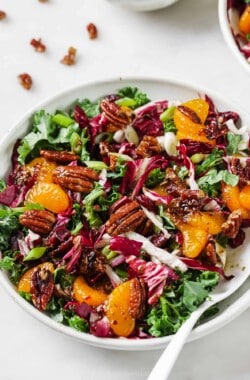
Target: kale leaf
[{"x": 132, "y": 97}]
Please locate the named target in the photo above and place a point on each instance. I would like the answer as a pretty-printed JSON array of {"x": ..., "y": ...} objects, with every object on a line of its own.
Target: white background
[{"x": 182, "y": 42}]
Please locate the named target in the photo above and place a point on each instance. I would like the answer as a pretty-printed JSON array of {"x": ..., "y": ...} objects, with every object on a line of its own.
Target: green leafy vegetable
[
  {"x": 155, "y": 177},
  {"x": 213, "y": 160},
  {"x": 233, "y": 143},
  {"x": 26, "y": 296},
  {"x": 213, "y": 176},
  {"x": 90, "y": 108},
  {"x": 2, "y": 185},
  {"x": 62, "y": 120},
  {"x": 132, "y": 96},
  {"x": 9, "y": 223},
  {"x": 177, "y": 302},
  {"x": 169, "y": 126},
  {"x": 63, "y": 278},
  {"x": 14, "y": 268}
]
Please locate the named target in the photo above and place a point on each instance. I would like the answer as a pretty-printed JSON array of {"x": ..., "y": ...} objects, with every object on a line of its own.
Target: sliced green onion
[
  {"x": 168, "y": 114},
  {"x": 97, "y": 165},
  {"x": 62, "y": 120},
  {"x": 128, "y": 102},
  {"x": 35, "y": 253}
]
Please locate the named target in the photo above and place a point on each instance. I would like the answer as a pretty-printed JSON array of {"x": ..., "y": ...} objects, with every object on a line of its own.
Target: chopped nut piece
[
  {"x": 38, "y": 45},
  {"x": 92, "y": 30},
  {"x": 25, "y": 80},
  {"x": 2, "y": 15},
  {"x": 232, "y": 226},
  {"x": 70, "y": 58},
  {"x": 210, "y": 251},
  {"x": 148, "y": 147}
]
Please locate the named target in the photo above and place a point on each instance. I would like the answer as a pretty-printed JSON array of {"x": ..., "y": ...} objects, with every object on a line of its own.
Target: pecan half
[
  {"x": 232, "y": 225},
  {"x": 191, "y": 114},
  {"x": 126, "y": 218},
  {"x": 172, "y": 184},
  {"x": 148, "y": 147},
  {"x": 76, "y": 178},
  {"x": 39, "y": 221},
  {"x": 242, "y": 171},
  {"x": 137, "y": 301},
  {"x": 59, "y": 156},
  {"x": 41, "y": 288},
  {"x": 117, "y": 116}
]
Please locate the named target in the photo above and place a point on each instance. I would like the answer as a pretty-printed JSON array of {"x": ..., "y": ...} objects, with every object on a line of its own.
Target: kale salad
[{"x": 117, "y": 214}]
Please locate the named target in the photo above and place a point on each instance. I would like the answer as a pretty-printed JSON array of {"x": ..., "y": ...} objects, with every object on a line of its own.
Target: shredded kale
[
  {"x": 91, "y": 109},
  {"x": 169, "y": 126},
  {"x": 155, "y": 177},
  {"x": 179, "y": 301}
]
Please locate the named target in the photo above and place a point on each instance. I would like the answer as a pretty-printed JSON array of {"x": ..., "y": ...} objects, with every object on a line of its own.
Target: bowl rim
[
  {"x": 228, "y": 36},
  {"x": 114, "y": 343}
]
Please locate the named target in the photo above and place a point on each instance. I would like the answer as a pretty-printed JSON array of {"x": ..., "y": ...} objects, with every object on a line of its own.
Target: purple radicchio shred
[
  {"x": 147, "y": 121},
  {"x": 125, "y": 246},
  {"x": 74, "y": 255},
  {"x": 155, "y": 276},
  {"x": 80, "y": 117},
  {"x": 193, "y": 147},
  {"x": 238, "y": 240},
  {"x": 8, "y": 195},
  {"x": 146, "y": 202},
  {"x": 99, "y": 325},
  {"x": 195, "y": 264}
]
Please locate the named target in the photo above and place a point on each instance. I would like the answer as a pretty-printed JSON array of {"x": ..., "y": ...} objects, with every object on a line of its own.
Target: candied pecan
[
  {"x": 172, "y": 184},
  {"x": 38, "y": 45},
  {"x": 39, "y": 221},
  {"x": 2, "y": 15},
  {"x": 137, "y": 301},
  {"x": 189, "y": 201},
  {"x": 76, "y": 178},
  {"x": 115, "y": 114},
  {"x": 92, "y": 30},
  {"x": 41, "y": 288},
  {"x": 210, "y": 251},
  {"x": 92, "y": 264},
  {"x": 62, "y": 248},
  {"x": 59, "y": 156},
  {"x": 70, "y": 58},
  {"x": 242, "y": 171},
  {"x": 232, "y": 225},
  {"x": 148, "y": 147},
  {"x": 126, "y": 218},
  {"x": 104, "y": 148},
  {"x": 146, "y": 228},
  {"x": 25, "y": 80},
  {"x": 191, "y": 114}
]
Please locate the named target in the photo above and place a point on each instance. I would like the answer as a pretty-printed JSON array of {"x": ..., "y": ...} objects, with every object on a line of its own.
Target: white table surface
[{"x": 183, "y": 41}]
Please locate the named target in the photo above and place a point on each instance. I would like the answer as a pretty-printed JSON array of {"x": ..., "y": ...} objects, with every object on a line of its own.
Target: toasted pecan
[
  {"x": 232, "y": 225},
  {"x": 39, "y": 221},
  {"x": 137, "y": 301},
  {"x": 41, "y": 288},
  {"x": 148, "y": 147},
  {"x": 117, "y": 116},
  {"x": 76, "y": 178},
  {"x": 59, "y": 156}
]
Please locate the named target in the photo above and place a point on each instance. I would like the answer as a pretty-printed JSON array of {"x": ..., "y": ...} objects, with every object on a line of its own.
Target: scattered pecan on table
[
  {"x": 3, "y": 15},
  {"x": 137, "y": 301},
  {"x": 70, "y": 58},
  {"x": 25, "y": 80},
  {"x": 38, "y": 45},
  {"x": 92, "y": 30},
  {"x": 39, "y": 221},
  {"x": 76, "y": 178},
  {"x": 41, "y": 288},
  {"x": 59, "y": 156}
]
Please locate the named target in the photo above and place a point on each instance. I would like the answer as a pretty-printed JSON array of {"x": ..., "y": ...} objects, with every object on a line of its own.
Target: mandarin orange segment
[
  {"x": 49, "y": 195},
  {"x": 45, "y": 168},
  {"x": 244, "y": 23},
  {"x": 194, "y": 239},
  {"x": 244, "y": 197},
  {"x": 208, "y": 221},
  {"x": 82, "y": 292},
  {"x": 231, "y": 197},
  {"x": 117, "y": 310},
  {"x": 188, "y": 129},
  {"x": 24, "y": 282}
]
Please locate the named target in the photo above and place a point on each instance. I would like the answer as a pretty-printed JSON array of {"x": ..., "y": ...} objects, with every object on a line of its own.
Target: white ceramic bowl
[
  {"x": 143, "y": 5},
  {"x": 226, "y": 28},
  {"x": 156, "y": 89}
]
